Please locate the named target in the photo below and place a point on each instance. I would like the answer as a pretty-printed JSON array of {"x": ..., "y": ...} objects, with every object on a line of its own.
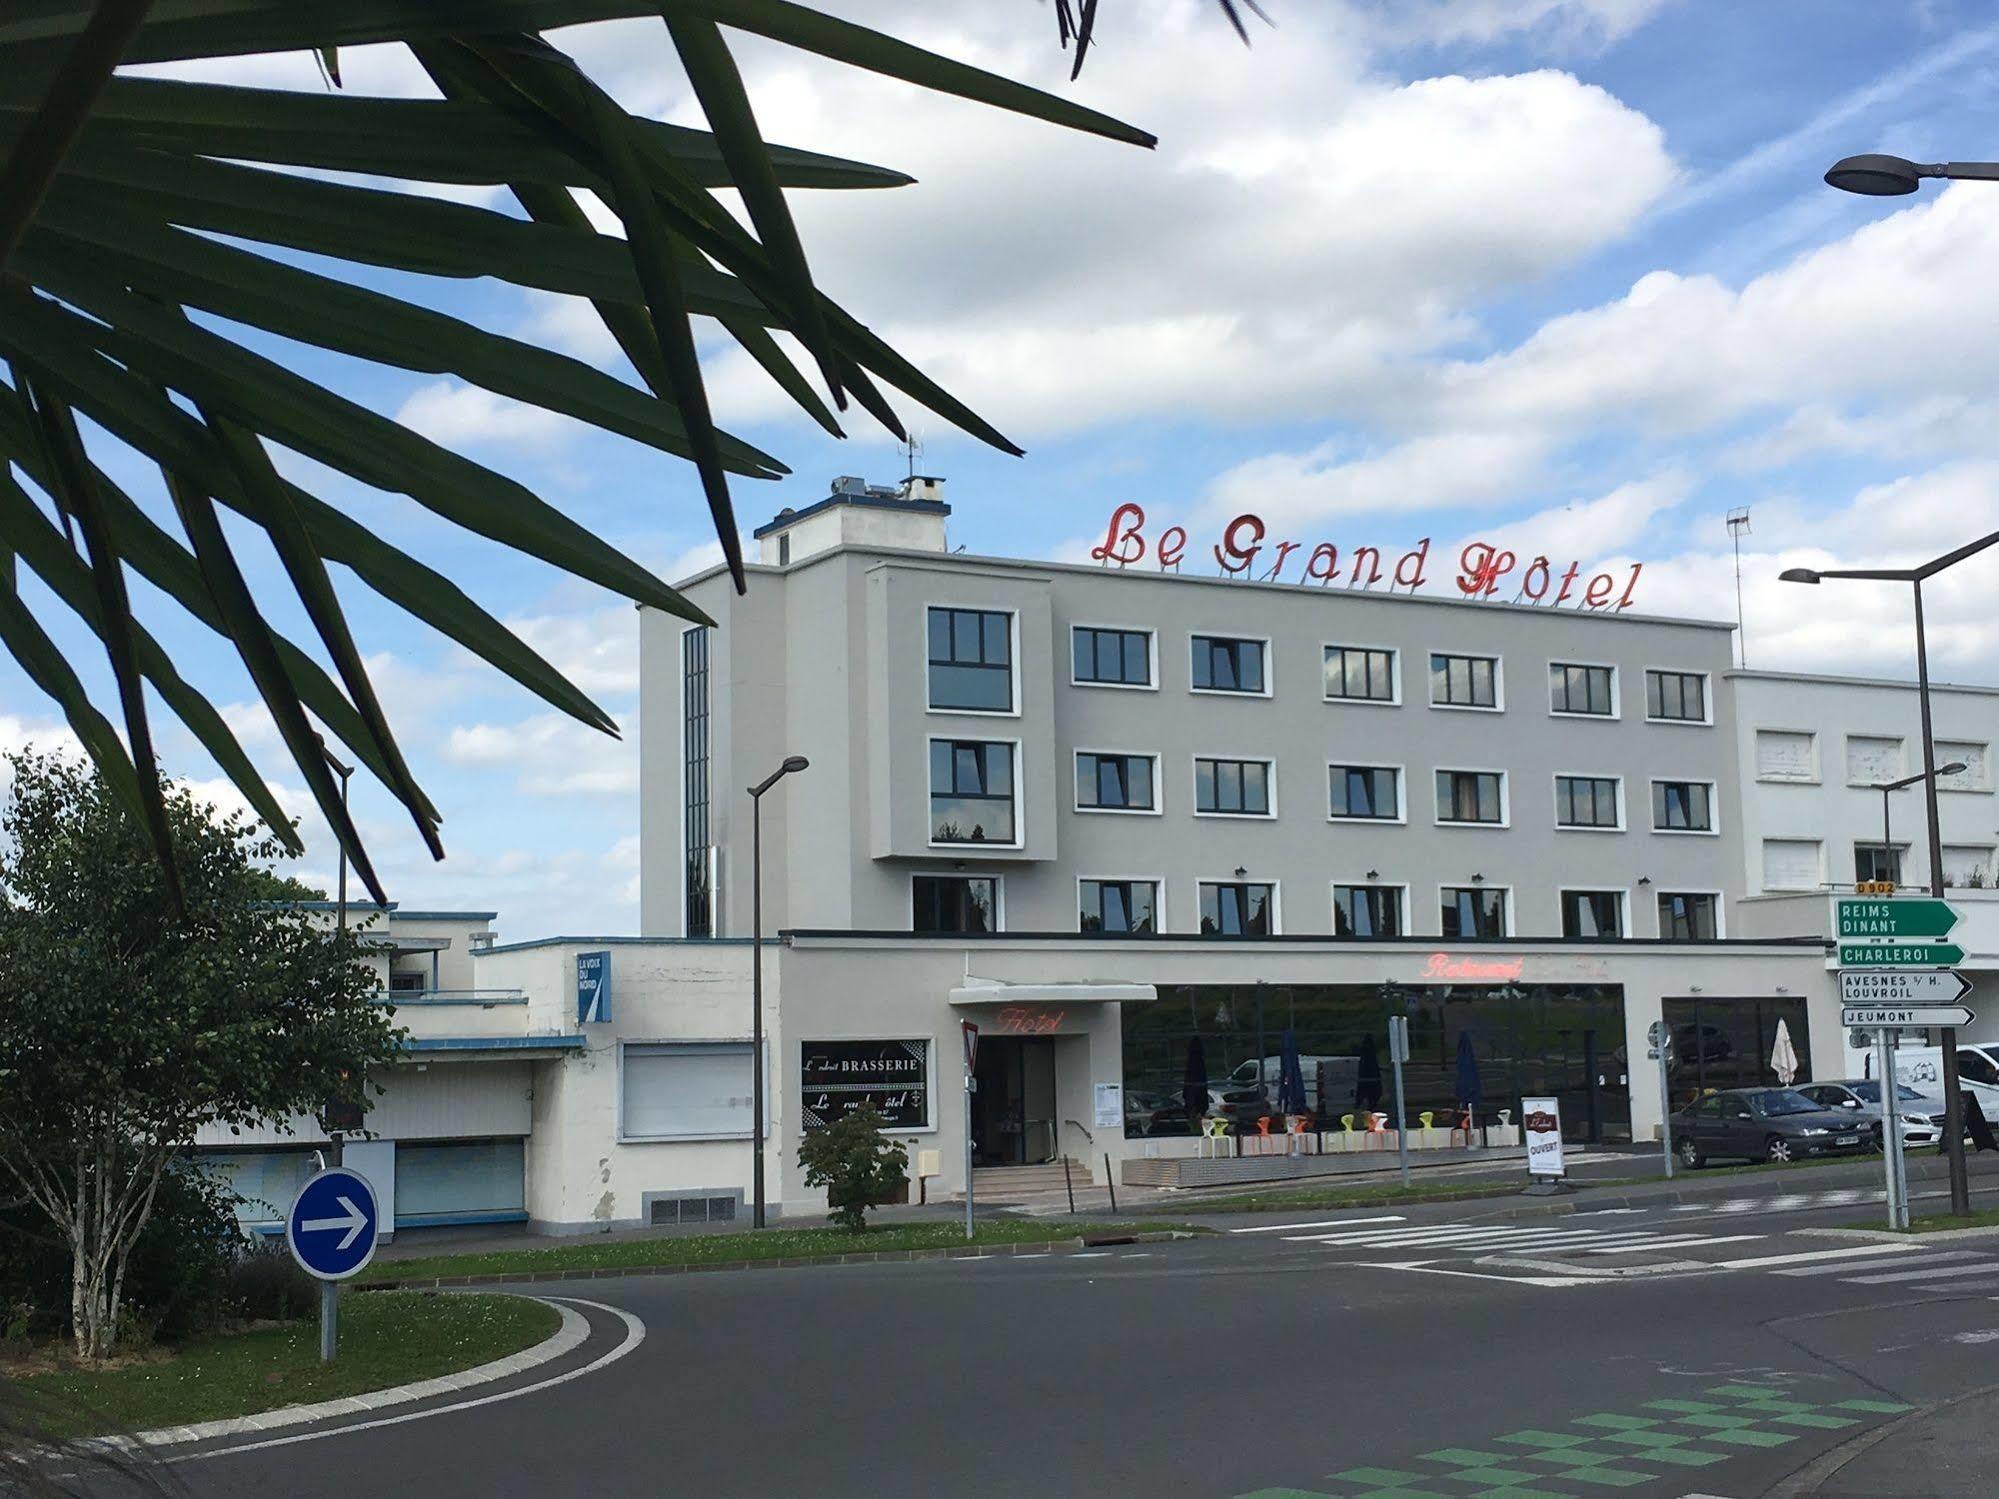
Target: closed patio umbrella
[
  {"x": 1367, "y": 1081},
  {"x": 1290, "y": 1076},
  {"x": 1194, "y": 1084},
  {"x": 1784, "y": 1056},
  {"x": 1470, "y": 1092}
]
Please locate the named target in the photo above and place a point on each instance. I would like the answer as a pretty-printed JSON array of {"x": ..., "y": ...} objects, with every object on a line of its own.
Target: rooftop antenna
[
  {"x": 912, "y": 449},
  {"x": 1738, "y": 526}
]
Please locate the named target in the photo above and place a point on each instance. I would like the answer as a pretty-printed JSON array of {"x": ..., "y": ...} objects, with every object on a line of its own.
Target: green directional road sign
[
  {"x": 1900, "y": 955},
  {"x": 1899, "y": 916}
]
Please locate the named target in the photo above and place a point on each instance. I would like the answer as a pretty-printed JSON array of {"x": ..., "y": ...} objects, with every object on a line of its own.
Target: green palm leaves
[{"x": 128, "y": 203}]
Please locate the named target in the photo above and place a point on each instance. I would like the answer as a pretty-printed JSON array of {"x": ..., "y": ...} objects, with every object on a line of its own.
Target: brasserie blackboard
[{"x": 837, "y": 1077}]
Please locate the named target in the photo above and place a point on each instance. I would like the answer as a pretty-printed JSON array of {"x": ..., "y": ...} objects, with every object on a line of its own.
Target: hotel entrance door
[{"x": 1013, "y": 1113}]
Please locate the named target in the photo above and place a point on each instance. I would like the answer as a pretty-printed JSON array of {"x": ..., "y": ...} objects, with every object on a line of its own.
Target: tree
[
  {"x": 856, "y": 1165},
  {"x": 268, "y": 884},
  {"x": 130, "y": 1017},
  {"x": 129, "y": 203}
]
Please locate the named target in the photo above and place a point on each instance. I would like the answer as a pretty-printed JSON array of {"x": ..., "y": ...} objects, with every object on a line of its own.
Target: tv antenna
[
  {"x": 912, "y": 446},
  {"x": 1738, "y": 527}
]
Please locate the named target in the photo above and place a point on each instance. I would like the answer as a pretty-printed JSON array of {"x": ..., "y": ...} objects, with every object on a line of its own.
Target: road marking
[
  {"x": 1943, "y": 1270},
  {"x": 635, "y": 1334},
  {"x": 1815, "y": 1254},
  {"x": 1893, "y": 1253},
  {"x": 1423, "y": 1268},
  {"x": 1443, "y": 1233},
  {"x": 1090, "y": 1254},
  {"x": 1279, "y": 1228},
  {"x": 1675, "y": 1241}
]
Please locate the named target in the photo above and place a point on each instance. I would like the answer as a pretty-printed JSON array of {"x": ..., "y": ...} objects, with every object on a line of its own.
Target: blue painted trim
[
  {"x": 402, "y": 915},
  {"x": 496, "y": 1043},
  {"x": 453, "y": 1220},
  {"x": 534, "y": 942}
]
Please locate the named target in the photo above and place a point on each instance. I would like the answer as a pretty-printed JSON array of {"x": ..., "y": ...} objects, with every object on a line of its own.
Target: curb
[
  {"x": 1595, "y": 1272},
  {"x": 1802, "y": 1483},
  {"x": 573, "y": 1332},
  {"x": 1890, "y": 1236},
  {"x": 793, "y": 1262}
]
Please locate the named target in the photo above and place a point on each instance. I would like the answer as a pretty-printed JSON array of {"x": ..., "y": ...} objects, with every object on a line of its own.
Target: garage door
[{"x": 460, "y": 1181}]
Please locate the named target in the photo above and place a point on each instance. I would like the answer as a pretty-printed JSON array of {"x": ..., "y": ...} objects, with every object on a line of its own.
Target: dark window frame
[
  {"x": 1466, "y": 694},
  {"x": 1201, "y": 654},
  {"x": 1086, "y": 885},
  {"x": 1683, "y": 925},
  {"x": 1341, "y": 778},
  {"x": 1125, "y": 759},
  {"x": 1450, "y": 911},
  {"x": 1239, "y": 891},
  {"x": 972, "y": 656},
  {"x": 1562, "y": 681},
  {"x": 1594, "y": 899},
  {"x": 984, "y": 777},
  {"x": 1452, "y": 798},
  {"x": 1570, "y": 782},
  {"x": 1373, "y": 659},
  {"x": 1218, "y": 764},
  {"x": 1396, "y": 902},
  {"x": 920, "y": 884},
  {"x": 1658, "y": 681},
  {"x": 1096, "y": 636},
  {"x": 1663, "y": 802},
  {"x": 1875, "y": 851},
  {"x": 697, "y": 896}
]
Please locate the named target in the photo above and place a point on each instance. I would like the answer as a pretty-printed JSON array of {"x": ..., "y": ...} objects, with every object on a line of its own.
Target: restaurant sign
[
  {"x": 837, "y": 1077},
  {"x": 1541, "y": 1123},
  {"x": 1482, "y": 570}
]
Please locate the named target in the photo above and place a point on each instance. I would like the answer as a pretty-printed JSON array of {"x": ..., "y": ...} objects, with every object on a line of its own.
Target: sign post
[
  {"x": 1891, "y": 1134},
  {"x": 1660, "y": 1040},
  {"x": 1398, "y": 1053},
  {"x": 331, "y": 1231},
  {"x": 971, "y": 1087}
]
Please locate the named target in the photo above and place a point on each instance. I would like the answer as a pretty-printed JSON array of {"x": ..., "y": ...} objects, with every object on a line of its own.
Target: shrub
[
  {"x": 267, "y": 1285},
  {"x": 857, "y": 1167}
]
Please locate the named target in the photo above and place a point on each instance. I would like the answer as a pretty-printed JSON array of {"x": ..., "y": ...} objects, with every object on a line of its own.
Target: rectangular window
[
  {"x": 1683, "y": 806},
  {"x": 1222, "y": 665},
  {"x": 1676, "y": 696},
  {"x": 1232, "y": 788},
  {"x": 1114, "y": 783},
  {"x": 1967, "y": 866},
  {"x": 1786, "y": 755},
  {"x": 1367, "y": 911},
  {"x": 699, "y": 916},
  {"x": 1581, "y": 689},
  {"x": 1592, "y": 913},
  {"x": 1688, "y": 916},
  {"x": 685, "y": 1091},
  {"x": 1877, "y": 861},
  {"x": 1237, "y": 910},
  {"x": 1119, "y": 658},
  {"x": 1872, "y": 759},
  {"x": 1360, "y": 674},
  {"x": 953, "y": 903},
  {"x": 971, "y": 791},
  {"x": 1472, "y": 911},
  {"x": 1471, "y": 796},
  {"x": 1972, "y": 755},
  {"x": 971, "y": 660},
  {"x": 1791, "y": 864},
  {"x": 1586, "y": 802},
  {"x": 1370, "y": 792},
  {"x": 1464, "y": 681},
  {"x": 1119, "y": 906}
]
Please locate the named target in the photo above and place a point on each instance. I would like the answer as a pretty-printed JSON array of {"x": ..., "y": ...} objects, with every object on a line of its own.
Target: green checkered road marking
[{"x": 1606, "y": 1450}]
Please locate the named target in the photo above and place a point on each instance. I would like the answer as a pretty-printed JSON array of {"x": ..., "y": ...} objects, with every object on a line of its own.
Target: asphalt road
[{"x": 1331, "y": 1359}]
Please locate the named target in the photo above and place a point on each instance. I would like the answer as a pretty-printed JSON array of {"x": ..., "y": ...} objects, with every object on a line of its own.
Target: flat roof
[
  {"x": 786, "y": 518},
  {"x": 1283, "y": 939},
  {"x": 534, "y": 942},
  {"x": 1838, "y": 679}
]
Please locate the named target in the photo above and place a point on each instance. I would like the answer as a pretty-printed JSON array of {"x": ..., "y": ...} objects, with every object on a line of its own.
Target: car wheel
[
  {"x": 1690, "y": 1156},
  {"x": 1779, "y": 1150}
]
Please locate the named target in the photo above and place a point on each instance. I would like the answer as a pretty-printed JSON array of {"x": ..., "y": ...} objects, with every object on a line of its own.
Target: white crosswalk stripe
[
  {"x": 1881, "y": 1261},
  {"x": 1784, "y": 1202},
  {"x": 1510, "y": 1239}
]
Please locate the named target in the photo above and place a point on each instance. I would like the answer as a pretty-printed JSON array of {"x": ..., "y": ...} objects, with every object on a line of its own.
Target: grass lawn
[
  {"x": 770, "y": 1244},
  {"x": 1931, "y": 1223},
  {"x": 386, "y": 1338}
]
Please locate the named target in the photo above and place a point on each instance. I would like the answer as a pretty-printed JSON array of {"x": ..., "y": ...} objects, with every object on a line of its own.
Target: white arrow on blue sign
[{"x": 333, "y": 1224}]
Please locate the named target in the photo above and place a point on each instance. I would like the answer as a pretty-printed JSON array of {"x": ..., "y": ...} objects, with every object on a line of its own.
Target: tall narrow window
[
  {"x": 971, "y": 660},
  {"x": 699, "y": 916}
]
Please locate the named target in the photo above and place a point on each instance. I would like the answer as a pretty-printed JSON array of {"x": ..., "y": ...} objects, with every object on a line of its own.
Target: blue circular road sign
[{"x": 332, "y": 1225}]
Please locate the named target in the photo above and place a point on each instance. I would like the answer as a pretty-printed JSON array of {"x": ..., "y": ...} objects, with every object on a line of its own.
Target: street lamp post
[
  {"x": 336, "y": 1139},
  {"x": 792, "y": 763},
  {"x": 1953, "y": 1098},
  {"x": 1884, "y": 787}
]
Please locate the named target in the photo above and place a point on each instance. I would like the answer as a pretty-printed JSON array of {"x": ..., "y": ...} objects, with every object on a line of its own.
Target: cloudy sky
[{"x": 1557, "y": 272}]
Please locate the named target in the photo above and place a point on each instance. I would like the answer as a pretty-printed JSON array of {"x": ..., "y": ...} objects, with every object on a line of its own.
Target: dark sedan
[{"x": 1764, "y": 1124}]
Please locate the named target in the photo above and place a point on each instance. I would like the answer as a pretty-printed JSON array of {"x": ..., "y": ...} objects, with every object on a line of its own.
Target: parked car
[
  {"x": 1922, "y": 1115},
  {"x": 1765, "y": 1124},
  {"x": 1921, "y": 1067},
  {"x": 1341, "y": 1074}
]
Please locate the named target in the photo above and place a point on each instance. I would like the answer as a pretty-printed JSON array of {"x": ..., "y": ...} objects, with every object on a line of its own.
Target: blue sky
[{"x": 1557, "y": 271}]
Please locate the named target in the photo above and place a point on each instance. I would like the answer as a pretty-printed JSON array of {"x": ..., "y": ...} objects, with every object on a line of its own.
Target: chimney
[{"x": 903, "y": 517}]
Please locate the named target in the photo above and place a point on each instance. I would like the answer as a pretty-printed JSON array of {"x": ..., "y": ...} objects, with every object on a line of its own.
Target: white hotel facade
[{"x": 1135, "y": 825}]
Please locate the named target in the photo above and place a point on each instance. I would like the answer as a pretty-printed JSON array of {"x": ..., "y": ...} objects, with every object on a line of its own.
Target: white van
[
  {"x": 1921, "y": 1068},
  {"x": 1342, "y": 1076}
]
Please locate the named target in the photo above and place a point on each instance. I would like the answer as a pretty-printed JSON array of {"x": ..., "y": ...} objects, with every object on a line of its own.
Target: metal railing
[{"x": 484, "y": 998}]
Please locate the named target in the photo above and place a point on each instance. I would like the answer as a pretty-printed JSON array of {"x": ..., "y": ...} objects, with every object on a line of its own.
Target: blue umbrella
[
  {"x": 1194, "y": 1083},
  {"x": 1470, "y": 1094},
  {"x": 1290, "y": 1077}
]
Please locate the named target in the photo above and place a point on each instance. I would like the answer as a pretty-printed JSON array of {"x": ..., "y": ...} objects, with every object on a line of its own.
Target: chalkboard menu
[{"x": 837, "y": 1077}]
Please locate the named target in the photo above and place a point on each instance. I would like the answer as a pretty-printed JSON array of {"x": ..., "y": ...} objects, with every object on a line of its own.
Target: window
[
  {"x": 971, "y": 792},
  {"x": 699, "y": 915},
  {"x": 1683, "y": 806},
  {"x": 971, "y": 660},
  {"x": 1367, "y": 910},
  {"x": 1367, "y": 791},
  {"x": 1967, "y": 865},
  {"x": 1872, "y": 759},
  {"x": 464, "y": 1179},
  {"x": 1237, "y": 910},
  {"x": 1676, "y": 696},
  {"x": 1791, "y": 864},
  {"x": 1473, "y": 911},
  {"x": 1877, "y": 861},
  {"x": 685, "y": 1090},
  {"x": 953, "y": 903},
  {"x": 1786, "y": 755},
  {"x": 1119, "y": 906},
  {"x": 1111, "y": 658},
  {"x": 1471, "y": 796},
  {"x": 784, "y": 550},
  {"x": 1973, "y": 755},
  {"x": 1232, "y": 788},
  {"x": 1114, "y": 783},
  {"x": 1360, "y": 674},
  {"x": 1227, "y": 665},
  {"x": 1688, "y": 916},
  {"x": 1464, "y": 681},
  {"x": 1587, "y": 690},
  {"x": 1592, "y": 913},
  {"x": 1587, "y": 802}
]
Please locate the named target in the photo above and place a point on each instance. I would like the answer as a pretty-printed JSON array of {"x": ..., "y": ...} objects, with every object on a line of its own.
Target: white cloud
[
  {"x": 452, "y": 413},
  {"x": 550, "y": 754},
  {"x": 1426, "y": 473}
]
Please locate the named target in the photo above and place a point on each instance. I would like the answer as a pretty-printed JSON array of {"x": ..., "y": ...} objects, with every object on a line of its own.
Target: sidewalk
[{"x": 1941, "y": 1452}]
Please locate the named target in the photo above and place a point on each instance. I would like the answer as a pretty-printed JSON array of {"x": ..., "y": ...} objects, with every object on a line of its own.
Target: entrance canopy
[{"x": 977, "y": 991}]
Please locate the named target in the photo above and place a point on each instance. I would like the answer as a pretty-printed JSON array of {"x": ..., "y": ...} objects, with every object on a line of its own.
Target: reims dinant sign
[{"x": 1484, "y": 571}]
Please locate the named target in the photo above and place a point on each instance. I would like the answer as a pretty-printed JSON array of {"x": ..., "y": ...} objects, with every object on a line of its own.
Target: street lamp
[
  {"x": 1884, "y": 787},
  {"x": 1915, "y": 577},
  {"x": 1876, "y": 176},
  {"x": 792, "y": 763}
]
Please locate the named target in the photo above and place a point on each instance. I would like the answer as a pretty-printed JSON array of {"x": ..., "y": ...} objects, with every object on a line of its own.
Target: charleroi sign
[{"x": 1483, "y": 570}]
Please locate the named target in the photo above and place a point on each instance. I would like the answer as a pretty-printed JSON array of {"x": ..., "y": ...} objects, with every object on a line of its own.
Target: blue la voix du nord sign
[
  {"x": 593, "y": 987},
  {"x": 333, "y": 1224}
]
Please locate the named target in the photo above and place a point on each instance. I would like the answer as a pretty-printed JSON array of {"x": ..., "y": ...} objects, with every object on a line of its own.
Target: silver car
[{"x": 1922, "y": 1115}]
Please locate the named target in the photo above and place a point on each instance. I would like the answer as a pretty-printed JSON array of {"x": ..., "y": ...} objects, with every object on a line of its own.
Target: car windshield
[
  {"x": 1769, "y": 1102},
  {"x": 1870, "y": 1092}
]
